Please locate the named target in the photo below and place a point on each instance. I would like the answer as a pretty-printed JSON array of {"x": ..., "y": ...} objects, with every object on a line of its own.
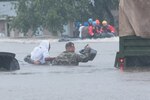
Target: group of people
[
  {"x": 96, "y": 29},
  {"x": 40, "y": 55}
]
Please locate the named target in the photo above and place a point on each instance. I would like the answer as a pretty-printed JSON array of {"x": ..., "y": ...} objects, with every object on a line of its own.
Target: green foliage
[
  {"x": 53, "y": 14},
  {"x": 102, "y": 9},
  {"x": 7, "y": 0}
]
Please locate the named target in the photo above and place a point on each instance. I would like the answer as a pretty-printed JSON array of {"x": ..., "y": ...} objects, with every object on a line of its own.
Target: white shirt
[
  {"x": 80, "y": 30},
  {"x": 40, "y": 52}
]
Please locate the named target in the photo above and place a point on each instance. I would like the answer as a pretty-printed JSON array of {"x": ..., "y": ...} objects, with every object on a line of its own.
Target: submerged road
[{"x": 96, "y": 80}]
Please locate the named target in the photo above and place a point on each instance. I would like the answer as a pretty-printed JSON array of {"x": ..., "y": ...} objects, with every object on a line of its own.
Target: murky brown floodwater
[{"x": 96, "y": 80}]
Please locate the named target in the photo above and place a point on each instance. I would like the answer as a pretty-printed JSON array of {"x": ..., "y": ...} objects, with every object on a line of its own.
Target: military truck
[{"x": 134, "y": 34}]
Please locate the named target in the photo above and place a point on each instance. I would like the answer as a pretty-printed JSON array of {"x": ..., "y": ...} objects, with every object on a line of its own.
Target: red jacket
[
  {"x": 90, "y": 30},
  {"x": 107, "y": 28}
]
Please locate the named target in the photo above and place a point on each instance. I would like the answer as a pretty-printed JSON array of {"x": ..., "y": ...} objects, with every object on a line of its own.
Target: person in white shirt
[
  {"x": 40, "y": 54},
  {"x": 80, "y": 30}
]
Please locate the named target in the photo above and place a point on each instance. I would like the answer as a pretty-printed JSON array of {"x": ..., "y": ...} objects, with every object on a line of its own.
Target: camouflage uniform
[{"x": 71, "y": 58}]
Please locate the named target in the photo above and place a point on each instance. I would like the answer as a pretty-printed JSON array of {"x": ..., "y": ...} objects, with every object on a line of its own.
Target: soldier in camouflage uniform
[{"x": 69, "y": 57}]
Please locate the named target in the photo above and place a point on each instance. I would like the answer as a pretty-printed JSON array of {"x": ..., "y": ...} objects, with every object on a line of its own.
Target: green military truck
[
  {"x": 134, "y": 34},
  {"x": 133, "y": 51}
]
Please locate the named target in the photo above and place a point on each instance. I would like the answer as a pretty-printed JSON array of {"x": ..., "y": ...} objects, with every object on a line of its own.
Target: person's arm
[
  {"x": 101, "y": 30},
  {"x": 84, "y": 56},
  {"x": 111, "y": 28},
  {"x": 90, "y": 30},
  {"x": 49, "y": 59},
  {"x": 46, "y": 56}
]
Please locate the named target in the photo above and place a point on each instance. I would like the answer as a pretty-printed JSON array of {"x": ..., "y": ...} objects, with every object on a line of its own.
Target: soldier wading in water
[
  {"x": 69, "y": 57},
  {"x": 40, "y": 55}
]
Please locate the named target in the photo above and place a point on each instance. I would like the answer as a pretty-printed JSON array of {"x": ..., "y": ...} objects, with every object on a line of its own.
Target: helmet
[
  {"x": 104, "y": 22},
  {"x": 85, "y": 24},
  {"x": 90, "y": 20},
  {"x": 97, "y": 22},
  {"x": 94, "y": 23}
]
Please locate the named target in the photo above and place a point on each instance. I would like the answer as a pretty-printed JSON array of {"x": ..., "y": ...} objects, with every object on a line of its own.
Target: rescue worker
[
  {"x": 107, "y": 30},
  {"x": 97, "y": 28},
  {"x": 94, "y": 27},
  {"x": 69, "y": 57},
  {"x": 90, "y": 28},
  {"x": 40, "y": 54},
  {"x": 80, "y": 30}
]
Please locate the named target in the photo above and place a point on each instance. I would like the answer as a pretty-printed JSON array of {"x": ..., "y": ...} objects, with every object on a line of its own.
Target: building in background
[{"x": 7, "y": 12}]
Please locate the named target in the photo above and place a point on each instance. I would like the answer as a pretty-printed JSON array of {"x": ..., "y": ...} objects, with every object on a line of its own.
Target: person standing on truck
[{"x": 69, "y": 57}]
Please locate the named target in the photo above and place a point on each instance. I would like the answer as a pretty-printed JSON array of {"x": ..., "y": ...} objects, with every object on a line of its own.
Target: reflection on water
[
  {"x": 137, "y": 69},
  {"x": 47, "y": 69},
  {"x": 91, "y": 81}
]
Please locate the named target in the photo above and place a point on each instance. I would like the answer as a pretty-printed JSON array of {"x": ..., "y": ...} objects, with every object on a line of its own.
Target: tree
[
  {"x": 102, "y": 9},
  {"x": 51, "y": 14}
]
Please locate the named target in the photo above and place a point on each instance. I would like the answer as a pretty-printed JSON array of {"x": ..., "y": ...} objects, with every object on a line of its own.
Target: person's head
[
  {"x": 104, "y": 23},
  {"x": 90, "y": 20},
  {"x": 70, "y": 47},
  {"x": 94, "y": 23},
  {"x": 45, "y": 44},
  {"x": 81, "y": 25},
  {"x": 97, "y": 22}
]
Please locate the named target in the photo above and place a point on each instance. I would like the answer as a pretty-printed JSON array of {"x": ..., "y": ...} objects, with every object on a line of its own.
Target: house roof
[{"x": 7, "y": 9}]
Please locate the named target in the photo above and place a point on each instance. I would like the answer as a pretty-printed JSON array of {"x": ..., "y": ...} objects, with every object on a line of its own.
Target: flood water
[{"x": 95, "y": 80}]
